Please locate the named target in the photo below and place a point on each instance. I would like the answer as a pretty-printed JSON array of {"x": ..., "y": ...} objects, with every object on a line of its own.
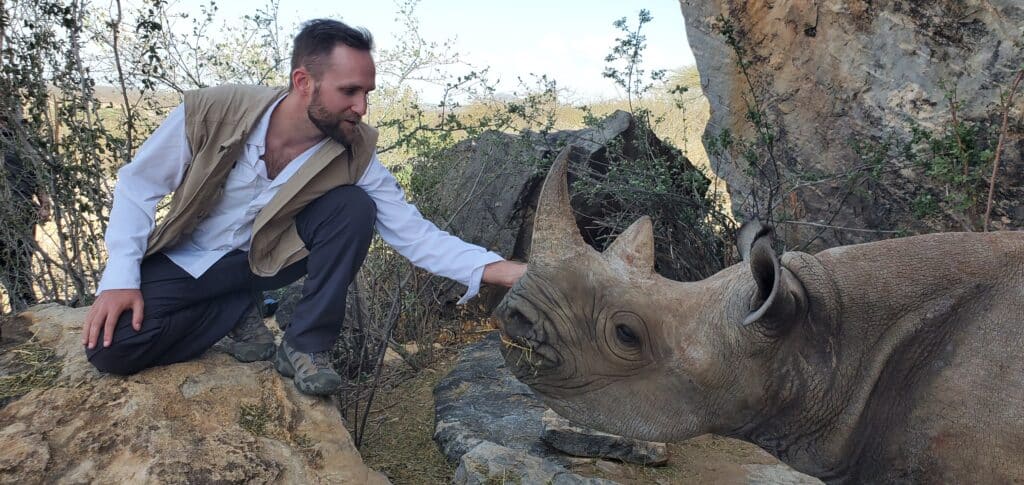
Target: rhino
[{"x": 897, "y": 361}]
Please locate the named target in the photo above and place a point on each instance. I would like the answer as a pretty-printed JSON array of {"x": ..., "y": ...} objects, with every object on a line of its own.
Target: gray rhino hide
[{"x": 894, "y": 361}]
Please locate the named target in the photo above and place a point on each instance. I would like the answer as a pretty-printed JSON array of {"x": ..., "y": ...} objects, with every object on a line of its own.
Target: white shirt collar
[{"x": 258, "y": 137}]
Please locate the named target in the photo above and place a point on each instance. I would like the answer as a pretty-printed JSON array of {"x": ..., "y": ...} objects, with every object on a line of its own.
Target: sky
[{"x": 565, "y": 39}]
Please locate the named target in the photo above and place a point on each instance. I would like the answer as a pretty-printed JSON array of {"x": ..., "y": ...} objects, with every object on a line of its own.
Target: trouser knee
[
  {"x": 112, "y": 362},
  {"x": 346, "y": 206}
]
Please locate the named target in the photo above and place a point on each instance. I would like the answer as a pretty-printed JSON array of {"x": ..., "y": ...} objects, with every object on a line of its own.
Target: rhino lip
[{"x": 530, "y": 348}]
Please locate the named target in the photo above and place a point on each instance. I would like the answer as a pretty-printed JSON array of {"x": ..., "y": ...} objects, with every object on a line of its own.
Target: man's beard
[{"x": 330, "y": 124}]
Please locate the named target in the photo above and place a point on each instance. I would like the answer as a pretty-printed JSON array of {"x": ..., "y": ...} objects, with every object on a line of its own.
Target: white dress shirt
[{"x": 159, "y": 167}]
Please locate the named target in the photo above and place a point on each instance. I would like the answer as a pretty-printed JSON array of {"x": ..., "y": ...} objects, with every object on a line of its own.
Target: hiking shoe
[
  {"x": 250, "y": 340},
  {"x": 312, "y": 372}
]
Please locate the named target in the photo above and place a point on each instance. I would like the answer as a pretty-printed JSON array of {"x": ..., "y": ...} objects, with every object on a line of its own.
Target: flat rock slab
[
  {"x": 578, "y": 440},
  {"x": 490, "y": 424},
  {"x": 489, "y": 463},
  {"x": 480, "y": 400}
]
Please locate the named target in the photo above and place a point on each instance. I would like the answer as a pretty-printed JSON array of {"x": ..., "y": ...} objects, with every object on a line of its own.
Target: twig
[
  {"x": 129, "y": 113},
  {"x": 840, "y": 228},
  {"x": 956, "y": 131},
  {"x": 999, "y": 147}
]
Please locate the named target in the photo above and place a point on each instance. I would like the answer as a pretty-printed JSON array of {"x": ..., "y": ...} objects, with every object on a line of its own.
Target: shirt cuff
[
  {"x": 120, "y": 275},
  {"x": 473, "y": 286}
]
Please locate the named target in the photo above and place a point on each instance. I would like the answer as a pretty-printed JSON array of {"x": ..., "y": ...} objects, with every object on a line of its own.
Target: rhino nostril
[{"x": 517, "y": 325}]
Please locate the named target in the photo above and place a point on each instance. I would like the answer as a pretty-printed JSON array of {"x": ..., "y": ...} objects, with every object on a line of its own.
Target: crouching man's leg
[
  {"x": 337, "y": 229},
  {"x": 182, "y": 316}
]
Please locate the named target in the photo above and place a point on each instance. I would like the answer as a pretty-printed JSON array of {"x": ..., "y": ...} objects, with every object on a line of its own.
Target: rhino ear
[
  {"x": 635, "y": 246},
  {"x": 780, "y": 299}
]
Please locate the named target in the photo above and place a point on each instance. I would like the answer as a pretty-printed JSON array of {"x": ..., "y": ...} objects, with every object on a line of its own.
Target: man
[
  {"x": 268, "y": 186},
  {"x": 19, "y": 213}
]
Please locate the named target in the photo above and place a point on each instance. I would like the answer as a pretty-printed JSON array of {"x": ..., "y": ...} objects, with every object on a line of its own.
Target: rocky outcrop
[
  {"x": 491, "y": 184},
  {"x": 853, "y": 101},
  {"x": 212, "y": 420}
]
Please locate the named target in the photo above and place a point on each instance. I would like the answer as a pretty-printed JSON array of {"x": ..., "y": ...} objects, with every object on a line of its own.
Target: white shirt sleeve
[
  {"x": 157, "y": 170},
  {"x": 402, "y": 226}
]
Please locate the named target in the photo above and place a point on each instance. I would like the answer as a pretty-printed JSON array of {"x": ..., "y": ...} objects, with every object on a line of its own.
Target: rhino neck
[{"x": 844, "y": 381}]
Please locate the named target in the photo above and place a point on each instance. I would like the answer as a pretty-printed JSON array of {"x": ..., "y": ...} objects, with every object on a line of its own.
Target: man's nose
[{"x": 360, "y": 106}]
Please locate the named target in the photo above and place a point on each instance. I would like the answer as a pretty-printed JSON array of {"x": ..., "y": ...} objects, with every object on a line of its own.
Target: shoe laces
[{"x": 321, "y": 359}]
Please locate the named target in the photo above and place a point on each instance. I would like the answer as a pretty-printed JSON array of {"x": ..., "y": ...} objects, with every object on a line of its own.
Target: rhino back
[{"x": 932, "y": 330}]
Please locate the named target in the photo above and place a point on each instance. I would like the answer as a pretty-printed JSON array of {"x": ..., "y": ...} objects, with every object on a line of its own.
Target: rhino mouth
[{"x": 526, "y": 351}]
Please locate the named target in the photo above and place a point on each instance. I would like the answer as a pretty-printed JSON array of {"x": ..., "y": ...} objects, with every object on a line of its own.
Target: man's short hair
[{"x": 317, "y": 40}]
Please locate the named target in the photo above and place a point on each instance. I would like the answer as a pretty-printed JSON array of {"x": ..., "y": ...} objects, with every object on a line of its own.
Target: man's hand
[
  {"x": 45, "y": 207},
  {"x": 105, "y": 311},
  {"x": 504, "y": 273}
]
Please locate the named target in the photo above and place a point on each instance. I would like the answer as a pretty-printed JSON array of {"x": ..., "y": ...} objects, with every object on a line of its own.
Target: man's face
[{"x": 339, "y": 97}]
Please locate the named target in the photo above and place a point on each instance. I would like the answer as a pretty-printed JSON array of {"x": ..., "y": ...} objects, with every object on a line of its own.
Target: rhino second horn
[
  {"x": 635, "y": 246},
  {"x": 555, "y": 234}
]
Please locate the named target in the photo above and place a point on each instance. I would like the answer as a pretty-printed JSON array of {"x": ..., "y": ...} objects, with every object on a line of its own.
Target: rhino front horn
[{"x": 555, "y": 234}]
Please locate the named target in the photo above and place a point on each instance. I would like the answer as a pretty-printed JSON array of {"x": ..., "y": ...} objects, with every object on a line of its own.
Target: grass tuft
[{"x": 34, "y": 367}]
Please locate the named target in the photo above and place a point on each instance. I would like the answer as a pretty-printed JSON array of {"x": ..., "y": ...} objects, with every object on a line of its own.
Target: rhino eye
[{"x": 626, "y": 335}]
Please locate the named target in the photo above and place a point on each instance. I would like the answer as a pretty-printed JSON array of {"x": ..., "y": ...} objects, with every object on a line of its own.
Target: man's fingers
[
  {"x": 137, "y": 314},
  {"x": 86, "y": 324},
  {"x": 94, "y": 327},
  {"x": 108, "y": 328}
]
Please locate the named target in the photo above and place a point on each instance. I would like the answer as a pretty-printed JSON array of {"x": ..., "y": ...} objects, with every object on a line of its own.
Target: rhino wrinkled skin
[{"x": 893, "y": 361}]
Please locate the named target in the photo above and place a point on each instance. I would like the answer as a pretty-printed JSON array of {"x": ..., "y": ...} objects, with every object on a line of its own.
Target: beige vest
[{"x": 218, "y": 121}]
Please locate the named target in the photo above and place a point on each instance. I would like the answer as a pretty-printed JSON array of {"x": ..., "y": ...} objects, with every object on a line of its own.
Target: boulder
[
  {"x": 843, "y": 88},
  {"x": 485, "y": 190},
  {"x": 210, "y": 420}
]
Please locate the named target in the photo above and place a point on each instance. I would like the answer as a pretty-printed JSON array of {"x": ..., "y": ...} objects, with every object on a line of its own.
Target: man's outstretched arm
[
  {"x": 402, "y": 226},
  {"x": 503, "y": 273}
]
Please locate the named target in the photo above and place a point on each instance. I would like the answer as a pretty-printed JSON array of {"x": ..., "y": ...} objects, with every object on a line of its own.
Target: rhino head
[{"x": 608, "y": 343}]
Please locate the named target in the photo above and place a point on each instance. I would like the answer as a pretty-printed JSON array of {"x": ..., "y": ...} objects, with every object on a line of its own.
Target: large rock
[
  {"x": 843, "y": 84},
  {"x": 487, "y": 188},
  {"x": 211, "y": 420}
]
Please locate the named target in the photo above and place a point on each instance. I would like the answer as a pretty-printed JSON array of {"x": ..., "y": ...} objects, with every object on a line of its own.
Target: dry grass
[
  {"x": 399, "y": 437},
  {"x": 26, "y": 367}
]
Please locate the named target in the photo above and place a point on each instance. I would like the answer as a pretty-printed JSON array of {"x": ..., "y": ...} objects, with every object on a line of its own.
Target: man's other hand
[
  {"x": 45, "y": 209},
  {"x": 504, "y": 273},
  {"x": 105, "y": 311}
]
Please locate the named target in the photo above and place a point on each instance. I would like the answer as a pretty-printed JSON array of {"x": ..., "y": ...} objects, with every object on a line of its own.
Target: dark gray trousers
[{"x": 184, "y": 316}]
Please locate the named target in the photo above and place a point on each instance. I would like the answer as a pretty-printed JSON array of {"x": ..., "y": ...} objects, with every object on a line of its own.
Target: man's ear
[
  {"x": 303, "y": 81},
  {"x": 780, "y": 299}
]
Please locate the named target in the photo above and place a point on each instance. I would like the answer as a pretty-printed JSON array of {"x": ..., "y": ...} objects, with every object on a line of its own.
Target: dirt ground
[{"x": 399, "y": 443}]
